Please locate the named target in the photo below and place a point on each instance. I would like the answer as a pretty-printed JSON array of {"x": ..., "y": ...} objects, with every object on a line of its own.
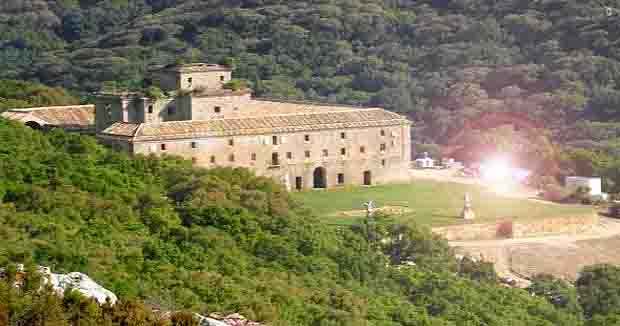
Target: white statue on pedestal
[
  {"x": 468, "y": 211},
  {"x": 370, "y": 208}
]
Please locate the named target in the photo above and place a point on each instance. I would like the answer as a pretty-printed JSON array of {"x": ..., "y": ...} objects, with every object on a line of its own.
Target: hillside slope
[{"x": 225, "y": 240}]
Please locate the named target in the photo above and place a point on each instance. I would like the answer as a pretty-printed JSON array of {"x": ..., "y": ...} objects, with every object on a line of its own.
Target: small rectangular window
[
  {"x": 340, "y": 178},
  {"x": 274, "y": 140},
  {"x": 150, "y": 108},
  {"x": 190, "y": 80},
  {"x": 231, "y": 142},
  {"x": 171, "y": 110},
  {"x": 289, "y": 155},
  {"x": 222, "y": 78},
  {"x": 343, "y": 135},
  {"x": 163, "y": 147},
  {"x": 275, "y": 160},
  {"x": 362, "y": 149},
  {"x": 383, "y": 163},
  {"x": 382, "y": 132},
  {"x": 194, "y": 144},
  {"x": 343, "y": 151},
  {"x": 212, "y": 159},
  {"x": 306, "y": 137},
  {"x": 231, "y": 157},
  {"x": 307, "y": 153},
  {"x": 217, "y": 109},
  {"x": 382, "y": 147},
  {"x": 325, "y": 153},
  {"x": 253, "y": 157}
]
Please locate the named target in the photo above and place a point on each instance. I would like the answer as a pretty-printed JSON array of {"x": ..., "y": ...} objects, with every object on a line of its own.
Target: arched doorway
[
  {"x": 34, "y": 125},
  {"x": 319, "y": 178},
  {"x": 367, "y": 178}
]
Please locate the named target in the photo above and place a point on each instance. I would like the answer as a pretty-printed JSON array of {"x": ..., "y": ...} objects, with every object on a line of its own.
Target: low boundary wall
[{"x": 513, "y": 229}]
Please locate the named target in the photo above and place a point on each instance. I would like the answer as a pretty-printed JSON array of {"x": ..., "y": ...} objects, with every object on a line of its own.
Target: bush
[
  {"x": 236, "y": 84},
  {"x": 504, "y": 229},
  {"x": 556, "y": 193},
  {"x": 154, "y": 92}
]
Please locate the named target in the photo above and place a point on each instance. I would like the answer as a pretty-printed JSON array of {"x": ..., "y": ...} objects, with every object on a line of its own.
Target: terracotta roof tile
[
  {"x": 256, "y": 125},
  {"x": 75, "y": 116},
  {"x": 122, "y": 129}
]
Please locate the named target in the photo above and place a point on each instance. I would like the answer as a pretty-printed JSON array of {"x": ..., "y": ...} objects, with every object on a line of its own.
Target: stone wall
[
  {"x": 518, "y": 228},
  {"x": 207, "y": 79},
  {"x": 256, "y": 152},
  {"x": 204, "y": 108}
]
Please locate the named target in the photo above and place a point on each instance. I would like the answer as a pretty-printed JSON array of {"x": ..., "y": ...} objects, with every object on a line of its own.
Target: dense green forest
[{"x": 177, "y": 237}]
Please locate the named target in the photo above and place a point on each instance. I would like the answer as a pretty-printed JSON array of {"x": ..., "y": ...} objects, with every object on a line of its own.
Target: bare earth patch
[
  {"x": 560, "y": 255},
  {"x": 390, "y": 210}
]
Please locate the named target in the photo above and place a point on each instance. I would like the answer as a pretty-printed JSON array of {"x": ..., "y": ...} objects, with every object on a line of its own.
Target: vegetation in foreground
[
  {"x": 430, "y": 203},
  {"x": 168, "y": 234}
]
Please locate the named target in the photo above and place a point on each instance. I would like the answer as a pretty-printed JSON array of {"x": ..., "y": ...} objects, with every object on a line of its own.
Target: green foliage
[
  {"x": 236, "y": 84},
  {"x": 154, "y": 92},
  {"x": 22, "y": 94},
  {"x": 222, "y": 240},
  {"x": 599, "y": 290},
  {"x": 557, "y": 292}
]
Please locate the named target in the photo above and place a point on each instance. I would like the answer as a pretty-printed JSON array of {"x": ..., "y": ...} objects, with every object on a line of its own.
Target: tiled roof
[
  {"x": 197, "y": 67},
  {"x": 122, "y": 129},
  {"x": 75, "y": 116},
  {"x": 356, "y": 118}
]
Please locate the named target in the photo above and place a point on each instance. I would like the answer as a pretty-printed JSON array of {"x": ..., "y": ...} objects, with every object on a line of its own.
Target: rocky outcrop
[
  {"x": 61, "y": 282},
  {"x": 78, "y": 282}
]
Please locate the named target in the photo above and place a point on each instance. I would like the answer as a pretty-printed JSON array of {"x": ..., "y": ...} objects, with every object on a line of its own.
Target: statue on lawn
[
  {"x": 370, "y": 208},
  {"x": 468, "y": 211}
]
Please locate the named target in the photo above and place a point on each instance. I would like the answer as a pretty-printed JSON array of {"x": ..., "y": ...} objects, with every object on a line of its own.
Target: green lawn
[{"x": 431, "y": 203}]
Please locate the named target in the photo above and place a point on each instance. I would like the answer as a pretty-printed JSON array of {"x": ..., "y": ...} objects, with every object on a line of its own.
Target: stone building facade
[{"x": 304, "y": 145}]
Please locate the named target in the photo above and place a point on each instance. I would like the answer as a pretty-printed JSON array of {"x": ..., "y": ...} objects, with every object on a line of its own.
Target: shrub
[
  {"x": 154, "y": 92},
  {"x": 556, "y": 193},
  {"x": 504, "y": 229},
  {"x": 236, "y": 84}
]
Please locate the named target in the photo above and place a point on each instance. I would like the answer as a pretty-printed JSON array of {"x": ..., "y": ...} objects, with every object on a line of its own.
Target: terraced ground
[
  {"x": 559, "y": 255},
  {"x": 429, "y": 202}
]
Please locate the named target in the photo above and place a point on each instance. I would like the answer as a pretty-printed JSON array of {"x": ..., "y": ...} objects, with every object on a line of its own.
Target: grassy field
[{"x": 430, "y": 202}]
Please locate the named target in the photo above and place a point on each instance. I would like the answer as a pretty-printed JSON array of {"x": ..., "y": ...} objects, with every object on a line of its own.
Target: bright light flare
[
  {"x": 500, "y": 175},
  {"x": 496, "y": 169}
]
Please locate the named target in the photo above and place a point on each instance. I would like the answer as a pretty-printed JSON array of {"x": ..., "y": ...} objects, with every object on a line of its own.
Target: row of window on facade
[
  {"x": 275, "y": 160},
  {"x": 171, "y": 110},
  {"x": 289, "y": 155}
]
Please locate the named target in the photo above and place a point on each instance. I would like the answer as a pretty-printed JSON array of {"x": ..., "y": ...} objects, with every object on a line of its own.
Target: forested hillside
[
  {"x": 160, "y": 233},
  {"x": 439, "y": 61}
]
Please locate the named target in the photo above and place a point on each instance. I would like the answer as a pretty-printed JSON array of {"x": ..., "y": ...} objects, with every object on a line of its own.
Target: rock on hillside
[
  {"x": 61, "y": 282},
  {"x": 79, "y": 282}
]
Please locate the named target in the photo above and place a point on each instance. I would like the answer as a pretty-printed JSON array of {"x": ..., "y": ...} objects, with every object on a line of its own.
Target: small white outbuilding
[
  {"x": 425, "y": 162},
  {"x": 593, "y": 183}
]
